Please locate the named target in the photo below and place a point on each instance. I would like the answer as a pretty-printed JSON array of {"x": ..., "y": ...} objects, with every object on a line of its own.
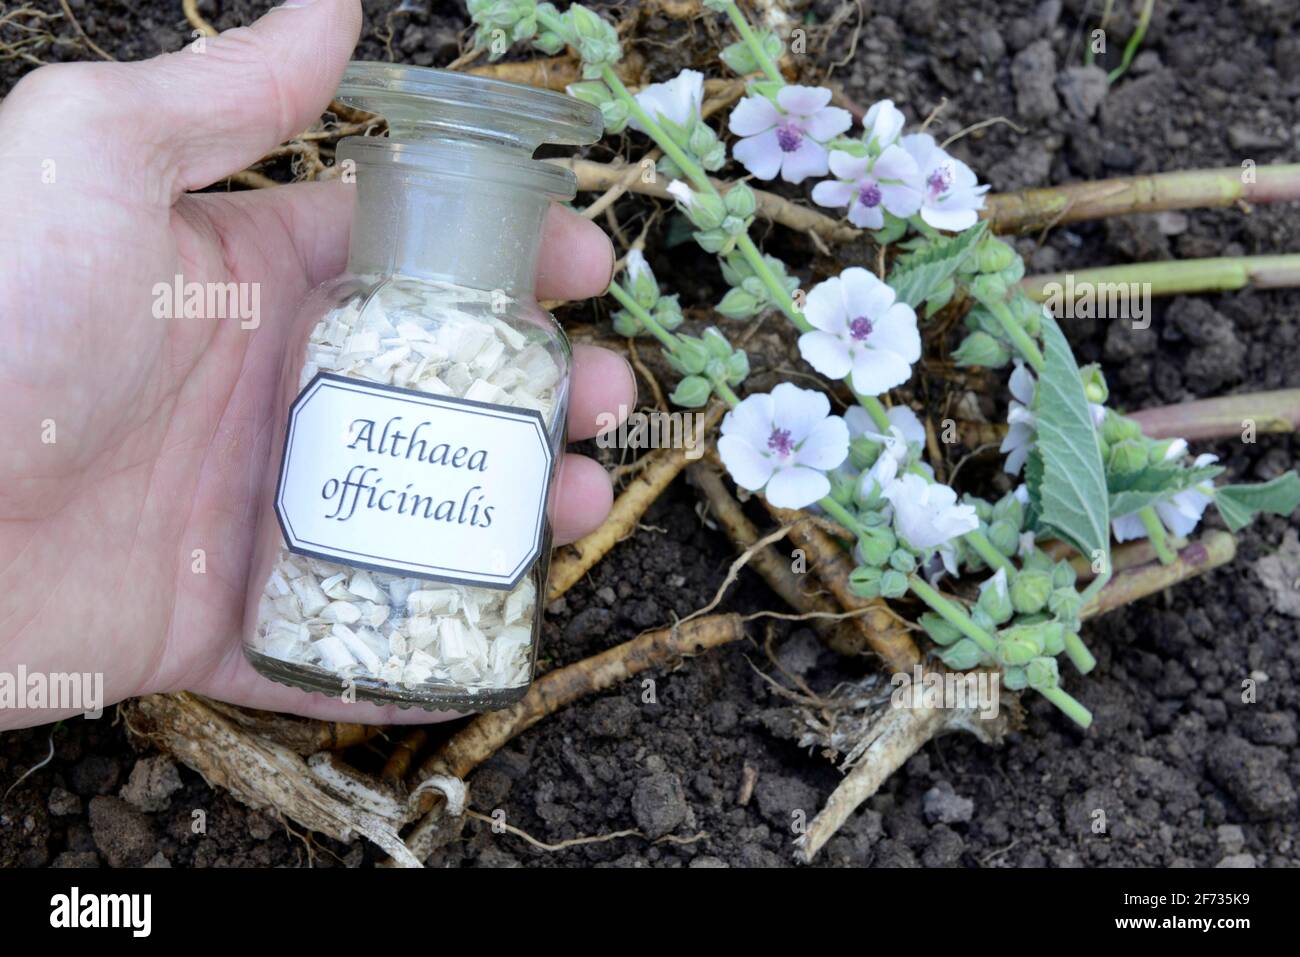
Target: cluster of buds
[
  {"x": 503, "y": 22},
  {"x": 998, "y": 268},
  {"x": 644, "y": 288},
  {"x": 702, "y": 362},
  {"x": 719, "y": 220},
  {"x": 749, "y": 295}
]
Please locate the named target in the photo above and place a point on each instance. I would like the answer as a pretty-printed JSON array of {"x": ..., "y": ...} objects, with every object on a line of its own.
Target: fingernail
[
  {"x": 295, "y": 4},
  {"x": 636, "y": 389},
  {"x": 613, "y": 265}
]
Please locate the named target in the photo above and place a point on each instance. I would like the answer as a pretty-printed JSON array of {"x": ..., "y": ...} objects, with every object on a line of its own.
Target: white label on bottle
[{"x": 414, "y": 484}]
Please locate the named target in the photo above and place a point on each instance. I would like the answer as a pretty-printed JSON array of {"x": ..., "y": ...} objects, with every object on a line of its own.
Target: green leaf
[
  {"x": 919, "y": 275},
  {"x": 1073, "y": 490},
  {"x": 1155, "y": 483},
  {"x": 1238, "y": 504}
]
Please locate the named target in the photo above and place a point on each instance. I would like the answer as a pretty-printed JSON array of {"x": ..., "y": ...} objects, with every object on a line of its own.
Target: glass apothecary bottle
[{"x": 402, "y": 546}]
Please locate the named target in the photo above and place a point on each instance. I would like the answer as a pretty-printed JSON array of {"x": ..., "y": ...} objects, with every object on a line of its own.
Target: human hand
[{"x": 131, "y": 441}]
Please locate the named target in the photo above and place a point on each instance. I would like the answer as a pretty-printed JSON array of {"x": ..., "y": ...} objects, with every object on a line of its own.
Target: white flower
[
  {"x": 901, "y": 419},
  {"x": 784, "y": 441},
  {"x": 1022, "y": 424},
  {"x": 636, "y": 265},
  {"x": 786, "y": 137},
  {"x": 950, "y": 193},
  {"x": 1181, "y": 513},
  {"x": 870, "y": 186},
  {"x": 681, "y": 192},
  {"x": 678, "y": 100},
  {"x": 883, "y": 124},
  {"x": 858, "y": 328},
  {"x": 1022, "y": 428},
  {"x": 926, "y": 514},
  {"x": 905, "y": 431}
]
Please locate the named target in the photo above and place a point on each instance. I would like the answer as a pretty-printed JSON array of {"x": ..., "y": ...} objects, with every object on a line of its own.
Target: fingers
[
  {"x": 577, "y": 258},
  {"x": 183, "y": 120},
  {"x": 603, "y": 391},
  {"x": 582, "y": 498}
]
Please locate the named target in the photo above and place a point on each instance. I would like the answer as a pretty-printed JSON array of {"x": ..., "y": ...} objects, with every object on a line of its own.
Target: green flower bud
[
  {"x": 549, "y": 42},
  {"x": 741, "y": 201},
  {"x": 707, "y": 211},
  {"x": 716, "y": 343},
  {"x": 995, "y": 598},
  {"x": 1042, "y": 673},
  {"x": 876, "y": 545},
  {"x": 594, "y": 92},
  {"x": 994, "y": 255},
  {"x": 737, "y": 368},
  {"x": 1053, "y": 638},
  {"x": 1158, "y": 452},
  {"x": 843, "y": 483},
  {"x": 614, "y": 113},
  {"x": 863, "y": 452},
  {"x": 983, "y": 508},
  {"x": 714, "y": 240},
  {"x": 893, "y": 584},
  {"x": 1127, "y": 457},
  {"x": 1018, "y": 649},
  {"x": 626, "y": 324},
  {"x": 668, "y": 313},
  {"x": 962, "y": 655},
  {"x": 989, "y": 288},
  {"x": 1035, "y": 559},
  {"x": 939, "y": 629},
  {"x": 1009, "y": 508},
  {"x": 864, "y": 581},
  {"x": 982, "y": 618},
  {"x": 981, "y": 349},
  {"x": 1031, "y": 317},
  {"x": 1116, "y": 428},
  {"x": 690, "y": 356},
  {"x": 1013, "y": 679},
  {"x": 1094, "y": 383},
  {"x": 739, "y": 58},
  {"x": 1065, "y": 604},
  {"x": 902, "y": 560},
  {"x": 1005, "y": 536},
  {"x": 1064, "y": 575},
  {"x": 1030, "y": 591},
  {"x": 692, "y": 392}
]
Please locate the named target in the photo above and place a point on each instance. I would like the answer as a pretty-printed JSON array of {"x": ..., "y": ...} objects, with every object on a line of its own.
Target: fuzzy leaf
[
  {"x": 919, "y": 275},
  {"x": 1073, "y": 493},
  {"x": 1156, "y": 483},
  {"x": 1238, "y": 504}
]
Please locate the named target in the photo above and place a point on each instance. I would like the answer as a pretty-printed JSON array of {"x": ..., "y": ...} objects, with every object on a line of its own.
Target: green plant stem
[
  {"x": 1022, "y": 340},
  {"x": 987, "y": 551},
  {"x": 754, "y": 43},
  {"x": 952, "y": 613},
  {"x": 841, "y": 514},
  {"x": 667, "y": 339},
  {"x": 1075, "y": 711},
  {"x": 1135, "y": 41},
  {"x": 1078, "y": 653},
  {"x": 1127, "y": 286},
  {"x": 1156, "y": 532}
]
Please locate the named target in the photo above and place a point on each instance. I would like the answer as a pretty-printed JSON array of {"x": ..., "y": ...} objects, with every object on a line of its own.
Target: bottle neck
[{"x": 440, "y": 222}]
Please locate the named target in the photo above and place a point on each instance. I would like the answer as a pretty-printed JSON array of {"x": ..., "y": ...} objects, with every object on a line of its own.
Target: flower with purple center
[
  {"x": 870, "y": 186},
  {"x": 786, "y": 137},
  {"x": 951, "y": 196},
  {"x": 784, "y": 442},
  {"x": 859, "y": 329}
]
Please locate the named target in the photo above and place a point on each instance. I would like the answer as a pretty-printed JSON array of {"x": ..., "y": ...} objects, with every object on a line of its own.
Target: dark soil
[{"x": 1184, "y": 772}]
